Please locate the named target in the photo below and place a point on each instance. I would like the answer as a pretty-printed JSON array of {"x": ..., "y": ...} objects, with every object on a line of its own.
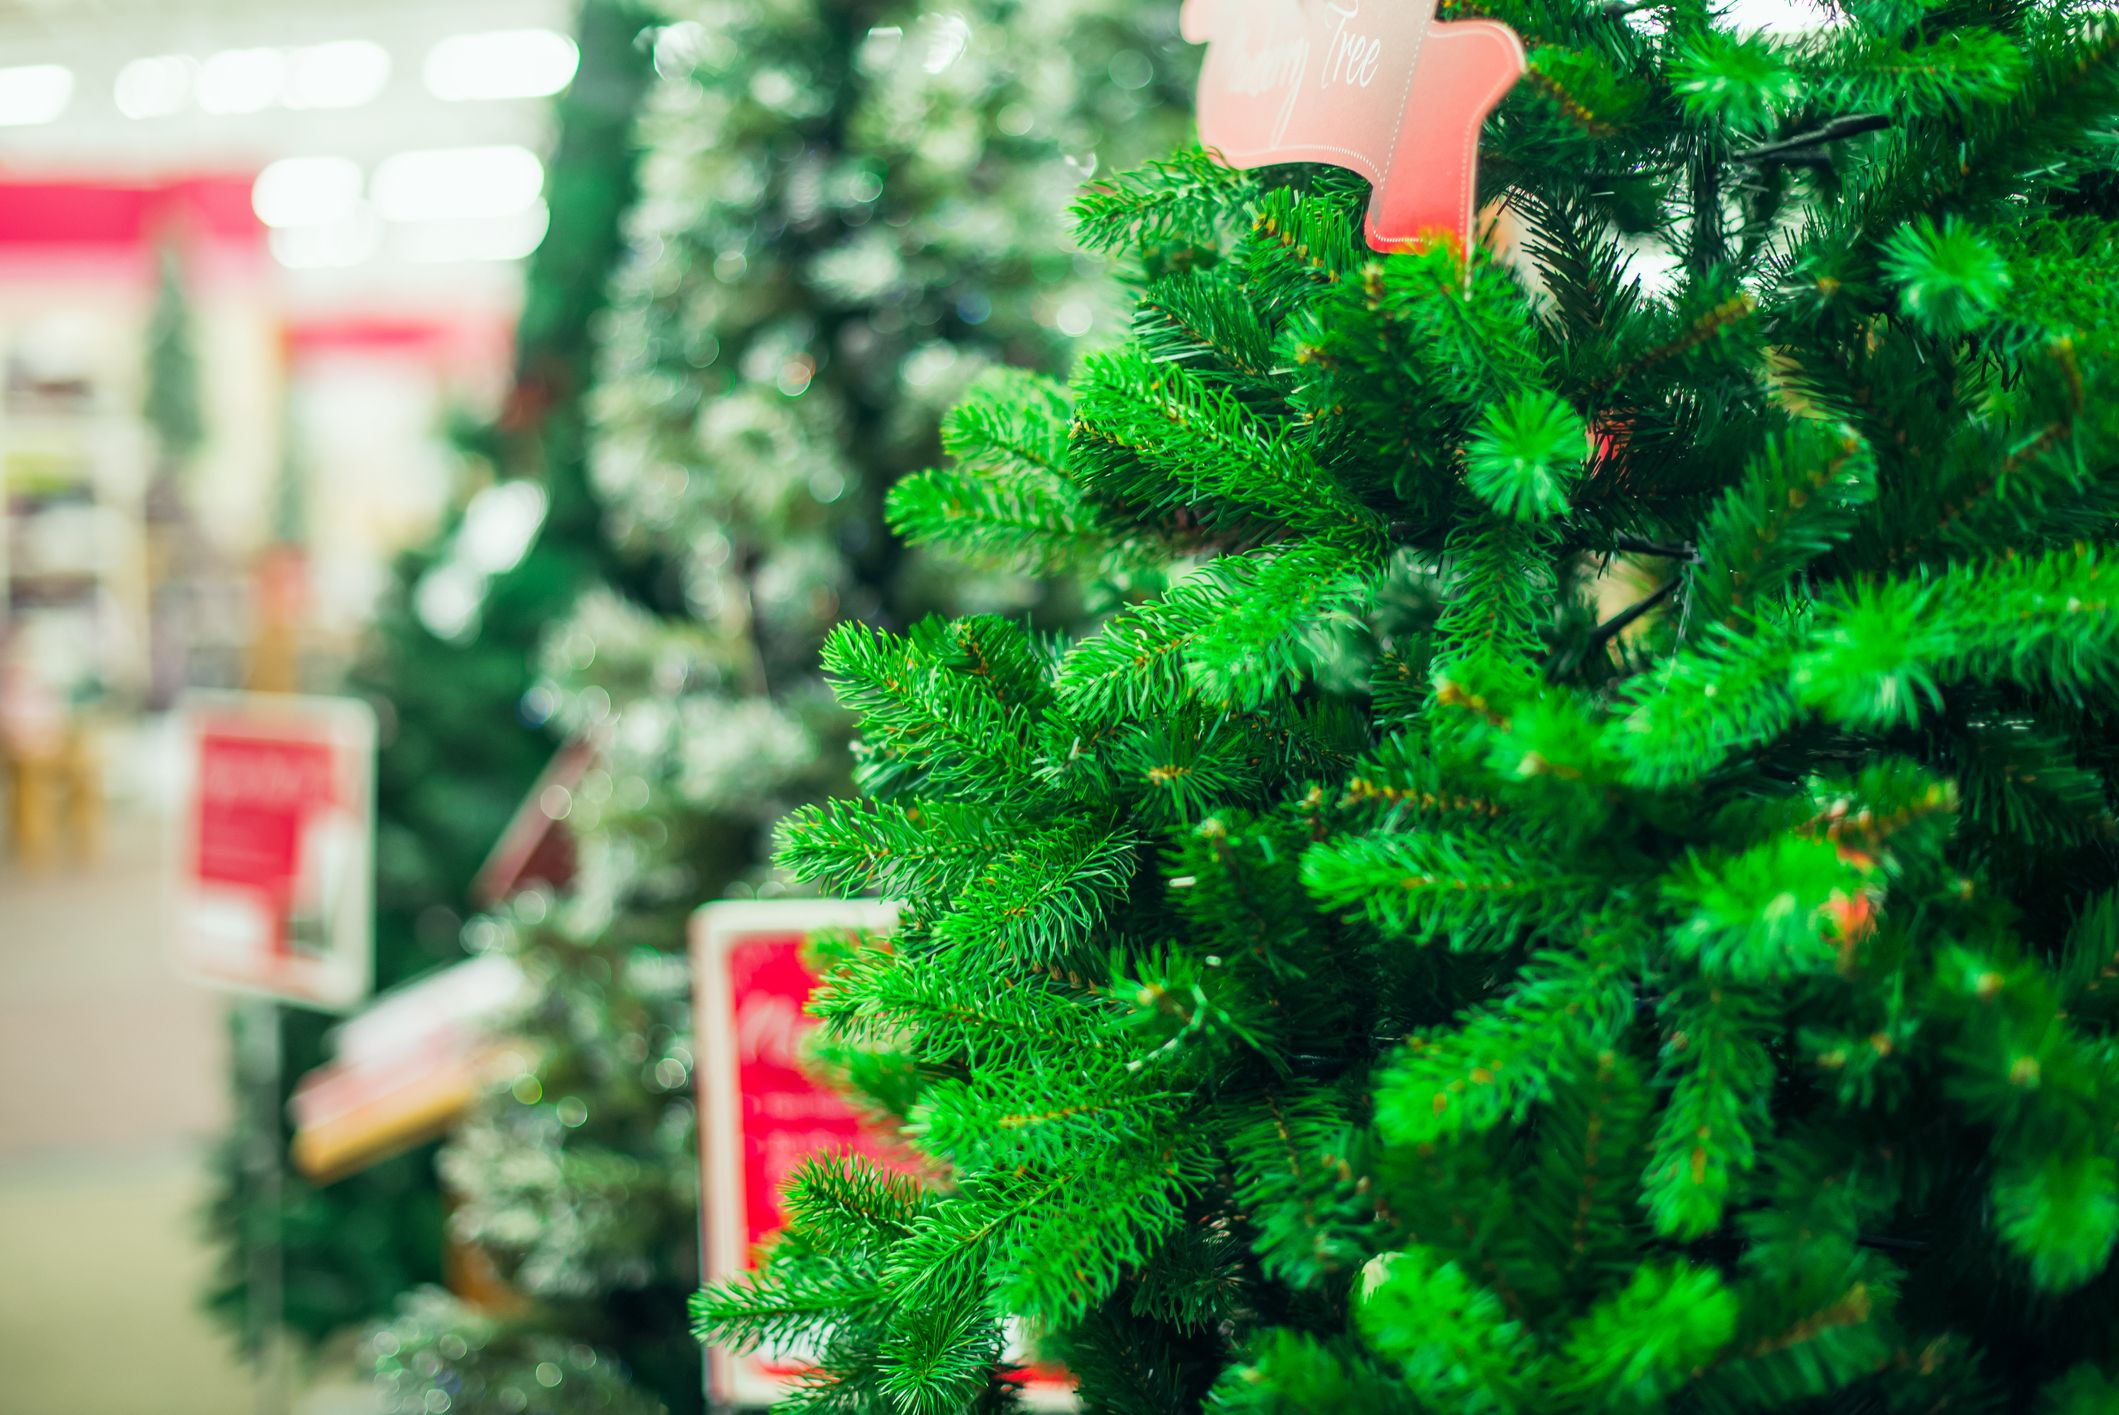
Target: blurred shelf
[{"x": 73, "y": 536}]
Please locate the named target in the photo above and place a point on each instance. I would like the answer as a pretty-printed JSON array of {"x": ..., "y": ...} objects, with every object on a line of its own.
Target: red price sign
[
  {"x": 274, "y": 890},
  {"x": 761, "y": 1115}
]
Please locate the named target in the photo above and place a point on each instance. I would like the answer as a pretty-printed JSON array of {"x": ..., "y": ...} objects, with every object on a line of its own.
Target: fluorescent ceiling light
[
  {"x": 34, "y": 93},
  {"x": 306, "y": 191},
  {"x": 242, "y": 80},
  {"x": 513, "y": 63},
  {"x": 483, "y": 238},
  {"x": 155, "y": 87},
  {"x": 331, "y": 246},
  {"x": 456, "y": 182},
  {"x": 343, "y": 74}
]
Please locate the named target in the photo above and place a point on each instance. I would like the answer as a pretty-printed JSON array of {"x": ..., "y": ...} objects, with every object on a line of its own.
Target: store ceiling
[
  {"x": 94, "y": 138},
  {"x": 73, "y": 13},
  {"x": 96, "y": 39}
]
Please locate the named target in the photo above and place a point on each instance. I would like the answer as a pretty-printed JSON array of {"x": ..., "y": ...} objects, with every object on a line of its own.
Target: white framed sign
[
  {"x": 406, "y": 1068},
  {"x": 761, "y": 1115},
  {"x": 275, "y": 847}
]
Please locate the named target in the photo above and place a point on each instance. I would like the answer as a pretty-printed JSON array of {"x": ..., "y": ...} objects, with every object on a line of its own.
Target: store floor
[{"x": 113, "y": 1078}]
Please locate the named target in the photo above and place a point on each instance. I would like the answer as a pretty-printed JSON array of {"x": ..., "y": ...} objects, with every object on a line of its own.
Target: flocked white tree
[{"x": 847, "y": 213}]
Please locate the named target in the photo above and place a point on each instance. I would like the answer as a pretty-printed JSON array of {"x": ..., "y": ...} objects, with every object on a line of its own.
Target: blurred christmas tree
[
  {"x": 847, "y": 211},
  {"x": 175, "y": 549},
  {"x": 1596, "y": 893},
  {"x": 451, "y": 656},
  {"x": 493, "y": 1367},
  {"x": 171, "y": 404}
]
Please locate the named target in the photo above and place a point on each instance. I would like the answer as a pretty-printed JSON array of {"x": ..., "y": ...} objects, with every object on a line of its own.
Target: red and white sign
[
  {"x": 535, "y": 848},
  {"x": 761, "y": 1114},
  {"x": 275, "y": 847},
  {"x": 1375, "y": 86},
  {"x": 406, "y": 1067}
]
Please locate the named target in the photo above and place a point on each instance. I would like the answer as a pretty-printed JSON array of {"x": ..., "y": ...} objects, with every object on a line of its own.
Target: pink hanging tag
[{"x": 1374, "y": 86}]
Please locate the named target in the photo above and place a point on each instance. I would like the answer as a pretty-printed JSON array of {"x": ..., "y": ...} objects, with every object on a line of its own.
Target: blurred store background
[
  {"x": 305, "y": 222},
  {"x": 257, "y": 260}
]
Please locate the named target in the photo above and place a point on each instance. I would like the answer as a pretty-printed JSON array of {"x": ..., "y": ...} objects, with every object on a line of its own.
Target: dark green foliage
[{"x": 1590, "y": 890}]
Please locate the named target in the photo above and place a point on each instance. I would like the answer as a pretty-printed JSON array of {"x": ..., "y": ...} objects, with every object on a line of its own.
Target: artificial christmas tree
[
  {"x": 1593, "y": 893},
  {"x": 846, "y": 210}
]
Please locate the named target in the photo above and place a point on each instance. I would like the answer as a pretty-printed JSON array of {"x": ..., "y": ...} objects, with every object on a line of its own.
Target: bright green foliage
[
  {"x": 1590, "y": 890},
  {"x": 1524, "y": 454},
  {"x": 1744, "y": 83},
  {"x": 1949, "y": 279}
]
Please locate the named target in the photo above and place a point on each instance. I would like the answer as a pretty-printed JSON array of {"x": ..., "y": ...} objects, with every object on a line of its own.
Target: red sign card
[
  {"x": 761, "y": 1115},
  {"x": 783, "y": 1116},
  {"x": 536, "y": 848},
  {"x": 274, "y": 889},
  {"x": 406, "y": 1067}
]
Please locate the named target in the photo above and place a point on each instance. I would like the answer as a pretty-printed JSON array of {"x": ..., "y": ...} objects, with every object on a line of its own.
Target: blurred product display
[
  {"x": 208, "y": 347},
  {"x": 84, "y": 551},
  {"x": 82, "y": 556}
]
